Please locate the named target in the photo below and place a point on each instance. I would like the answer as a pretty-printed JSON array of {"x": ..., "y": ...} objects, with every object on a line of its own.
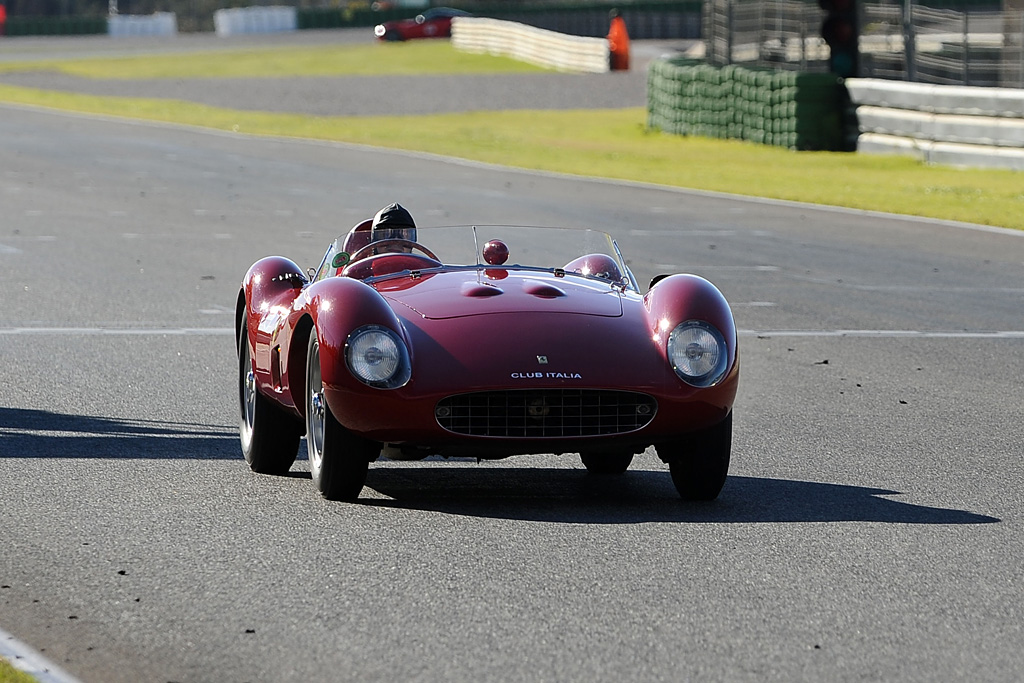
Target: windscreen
[
  {"x": 587, "y": 253},
  {"x": 590, "y": 253}
]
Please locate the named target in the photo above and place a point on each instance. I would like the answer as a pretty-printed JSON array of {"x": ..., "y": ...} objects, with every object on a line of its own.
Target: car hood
[{"x": 440, "y": 296}]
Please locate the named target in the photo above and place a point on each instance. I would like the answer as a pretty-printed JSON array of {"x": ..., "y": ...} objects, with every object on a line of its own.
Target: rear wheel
[
  {"x": 270, "y": 438},
  {"x": 606, "y": 463},
  {"x": 700, "y": 462},
  {"x": 338, "y": 459}
]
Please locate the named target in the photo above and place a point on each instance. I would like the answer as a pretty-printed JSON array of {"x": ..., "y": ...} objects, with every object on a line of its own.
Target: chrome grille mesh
[{"x": 545, "y": 413}]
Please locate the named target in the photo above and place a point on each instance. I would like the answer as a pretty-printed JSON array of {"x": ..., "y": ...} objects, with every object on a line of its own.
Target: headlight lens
[
  {"x": 697, "y": 353},
  {"x": 378, "y": 357}
]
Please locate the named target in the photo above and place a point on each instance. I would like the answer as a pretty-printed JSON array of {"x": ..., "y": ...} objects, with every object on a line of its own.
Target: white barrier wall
[
  {"x": 530, "y": 44},
  {"x": 158, "y": 24},
  {"x": 245, "y": 20},
  {"x": 952, "y": 125}
]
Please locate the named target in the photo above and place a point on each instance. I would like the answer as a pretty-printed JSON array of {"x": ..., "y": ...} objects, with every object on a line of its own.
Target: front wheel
[
  {"x": 338, "y": 459},
  {"x": 270, "y": 438},
  {"x": 699, "y": 463}
]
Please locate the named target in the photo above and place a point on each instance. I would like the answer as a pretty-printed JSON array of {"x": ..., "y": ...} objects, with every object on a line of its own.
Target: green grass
[
  {"x": 379, "y": 59},
  {"x": 8, "y": 674},
  {"x": 605, "y": 143}
]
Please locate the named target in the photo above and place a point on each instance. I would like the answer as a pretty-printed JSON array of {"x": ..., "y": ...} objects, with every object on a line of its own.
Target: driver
[{"x": 393, "y": 222}]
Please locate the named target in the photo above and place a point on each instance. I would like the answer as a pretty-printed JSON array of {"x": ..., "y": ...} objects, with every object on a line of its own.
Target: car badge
[
  {"x": 543, "y": 360},
  {"x": 340, "y": 260}
]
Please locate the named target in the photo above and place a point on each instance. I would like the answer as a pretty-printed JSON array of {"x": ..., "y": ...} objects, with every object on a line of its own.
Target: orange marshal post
[{"x": 618, "y": 43}]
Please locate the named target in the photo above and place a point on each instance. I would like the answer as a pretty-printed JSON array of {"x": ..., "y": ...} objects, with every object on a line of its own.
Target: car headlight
[
  {"x": 379, "y": 30},
  {"x": 698, "y": 354},
  {"x": 377, "y": 356}
]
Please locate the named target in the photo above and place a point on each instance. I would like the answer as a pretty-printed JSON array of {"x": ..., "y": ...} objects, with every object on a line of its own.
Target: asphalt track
[
  {"x": 871, "y": 528},
  {"x": 339, "y": 95}
]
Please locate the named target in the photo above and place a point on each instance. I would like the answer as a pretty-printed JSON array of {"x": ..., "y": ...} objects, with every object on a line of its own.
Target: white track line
[
  {"x": 24, "y": 658},
  {"x": 115, "y": 331},
  {"x": 884, "y": 334},
  {"x": 226, "y": 331}
]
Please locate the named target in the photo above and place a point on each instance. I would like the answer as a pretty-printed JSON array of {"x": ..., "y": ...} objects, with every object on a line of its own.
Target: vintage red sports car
[
  {"x": 434, "y": 23},
  {"x": 486, "y": 341}
]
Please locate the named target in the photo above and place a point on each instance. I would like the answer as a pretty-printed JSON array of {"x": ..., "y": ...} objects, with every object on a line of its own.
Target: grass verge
[
  {"x": 8, "y": 674},
  {"x": 605, "y": 143},
  {"x": 376, "y": 59}
]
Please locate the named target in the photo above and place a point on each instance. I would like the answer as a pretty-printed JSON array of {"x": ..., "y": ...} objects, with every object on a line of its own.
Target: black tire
[
  {"x": 338, "y": 459},
  {"x": 700, "y": 463},
  {"x": 270, "y": 438},
  {"x": 606, "y": 463}
]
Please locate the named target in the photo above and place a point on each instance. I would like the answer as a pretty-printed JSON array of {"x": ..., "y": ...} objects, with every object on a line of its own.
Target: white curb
[{"x": 24, "y": 658}]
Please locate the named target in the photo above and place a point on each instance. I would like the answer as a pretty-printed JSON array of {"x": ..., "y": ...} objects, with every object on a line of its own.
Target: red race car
[
  {"x": 486, "y": 341},
  {"x": 434, "y": 23}
]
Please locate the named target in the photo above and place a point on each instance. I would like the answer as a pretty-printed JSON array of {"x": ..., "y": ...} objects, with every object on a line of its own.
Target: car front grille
[{"x": 545, "y": 413}]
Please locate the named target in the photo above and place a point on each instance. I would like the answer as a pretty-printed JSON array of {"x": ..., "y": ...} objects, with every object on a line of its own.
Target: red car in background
[{"x": 434, "y": 23}]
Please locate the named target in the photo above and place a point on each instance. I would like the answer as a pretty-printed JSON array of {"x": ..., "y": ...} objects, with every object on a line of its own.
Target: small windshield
[
  {"x": 328, "y": 266},
  {"x": 587, "y": 253}
]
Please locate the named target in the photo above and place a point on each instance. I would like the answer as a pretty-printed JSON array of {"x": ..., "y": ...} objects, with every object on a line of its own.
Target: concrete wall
[
  {"x": 951, "y": 125},
  {"x": 529, "y": 44}
]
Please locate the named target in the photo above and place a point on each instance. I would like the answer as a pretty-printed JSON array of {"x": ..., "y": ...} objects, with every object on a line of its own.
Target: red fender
[
  {"x": 678, "y": 298},
  {"x": 338, "y": 306}
]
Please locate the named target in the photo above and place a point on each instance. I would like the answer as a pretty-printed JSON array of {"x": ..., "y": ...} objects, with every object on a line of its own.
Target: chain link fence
[{"x": 899, "y": 40}]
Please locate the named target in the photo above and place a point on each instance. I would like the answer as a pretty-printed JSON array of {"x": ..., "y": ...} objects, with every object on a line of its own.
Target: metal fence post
[
  {"x": 967, "y": 49},
  {"x": 909, "y": 44},
  {"x": 803, "y": 44},
  {"x": 729, "y": 31}
]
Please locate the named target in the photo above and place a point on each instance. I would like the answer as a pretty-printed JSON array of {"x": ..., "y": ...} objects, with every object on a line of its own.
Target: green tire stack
[{"x": 789, "y": 109}]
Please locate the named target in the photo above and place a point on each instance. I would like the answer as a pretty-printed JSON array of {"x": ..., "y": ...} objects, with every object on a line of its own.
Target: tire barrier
[
  {"x": 250, "y": 20},
  {"x": 56, "y": 26},
  {"x": 529, "y": 44},
  {"x": 158, "y": 24},
  {"x": 800, "y": 111},
  {"x": 950, "y": 125}
]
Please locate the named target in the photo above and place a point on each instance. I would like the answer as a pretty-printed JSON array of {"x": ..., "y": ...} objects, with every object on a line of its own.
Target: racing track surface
[{"x": 871, "y": 528}]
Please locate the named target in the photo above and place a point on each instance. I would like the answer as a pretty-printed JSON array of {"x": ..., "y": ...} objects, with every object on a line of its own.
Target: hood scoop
[
  {"x": 542, "y": 289},
  {"x": 479, "y": 289}
]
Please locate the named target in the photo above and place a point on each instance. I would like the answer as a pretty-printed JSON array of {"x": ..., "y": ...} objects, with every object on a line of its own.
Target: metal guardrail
[
  {"x": 899, "y": 40},
  {"x": 942, "y": 124}
]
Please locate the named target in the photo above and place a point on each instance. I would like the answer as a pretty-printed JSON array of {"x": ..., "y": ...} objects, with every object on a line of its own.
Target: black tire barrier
[{"x": 56, "y": 26}]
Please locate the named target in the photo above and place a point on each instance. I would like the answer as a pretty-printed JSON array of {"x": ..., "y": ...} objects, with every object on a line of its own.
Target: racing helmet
[{"x": 393, "y": 222}]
